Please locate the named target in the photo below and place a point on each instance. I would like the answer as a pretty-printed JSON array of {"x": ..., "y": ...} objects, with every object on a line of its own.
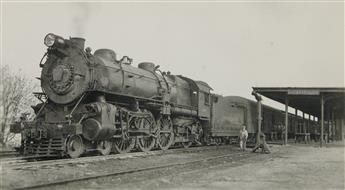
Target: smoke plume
[{"x": 81, "y": 18}]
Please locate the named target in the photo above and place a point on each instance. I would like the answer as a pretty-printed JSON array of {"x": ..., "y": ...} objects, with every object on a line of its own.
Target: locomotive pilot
[{"x": 243, "y": 138}]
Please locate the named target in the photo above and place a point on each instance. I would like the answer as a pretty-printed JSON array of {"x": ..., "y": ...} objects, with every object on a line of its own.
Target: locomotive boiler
[{"x": 93, "y": 101}]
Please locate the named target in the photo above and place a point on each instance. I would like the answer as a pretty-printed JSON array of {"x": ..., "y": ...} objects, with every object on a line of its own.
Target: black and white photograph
[{"x": 172, "y": 94}]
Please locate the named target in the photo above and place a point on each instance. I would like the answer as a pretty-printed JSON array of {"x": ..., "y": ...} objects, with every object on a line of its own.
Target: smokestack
[{"x": 79, "y": 42}]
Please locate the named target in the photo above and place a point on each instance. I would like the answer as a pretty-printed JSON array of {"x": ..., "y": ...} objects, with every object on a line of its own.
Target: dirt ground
[
  {"x": 289, "y": 167},
  {"x": 42, "y": 172},
  {"x": 295, "y": 166}
]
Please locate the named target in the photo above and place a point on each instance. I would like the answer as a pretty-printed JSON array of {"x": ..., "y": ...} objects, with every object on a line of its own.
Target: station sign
[{"x": 303, "y": 92}]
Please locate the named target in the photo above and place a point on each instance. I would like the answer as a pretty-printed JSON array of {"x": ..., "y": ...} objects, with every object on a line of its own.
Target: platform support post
[
  {"x": 304, "y": 126},
  {"x": 333, "y": 125},
  {"x": 342, "y": 124},
  {"x": 296, "y": 121},
  {"x": 259, "y": 120},
  {"x": 329, "y": 124},
  {"x": 322, "y": 119},
  {"x": 286, "y": 119},
  {"x": 308, "y": 124}
]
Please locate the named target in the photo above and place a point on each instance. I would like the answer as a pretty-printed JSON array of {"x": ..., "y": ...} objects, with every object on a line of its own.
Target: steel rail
[
  {"x": 20, "y": 164},
  {"x": 8, "y": 154},
  {"x": 130, "y": 171}
]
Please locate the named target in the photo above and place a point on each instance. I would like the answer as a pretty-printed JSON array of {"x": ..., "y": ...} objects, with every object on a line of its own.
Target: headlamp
[
  {"x": 52, "y": 39},
  {"x": 49, "y": 40}
]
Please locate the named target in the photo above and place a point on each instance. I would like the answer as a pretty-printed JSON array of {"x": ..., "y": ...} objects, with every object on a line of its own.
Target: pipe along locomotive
[{"x": 95, "y": 102}]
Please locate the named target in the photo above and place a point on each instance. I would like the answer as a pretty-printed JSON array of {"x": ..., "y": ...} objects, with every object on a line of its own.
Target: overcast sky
[{"x": 231, "y": 46}]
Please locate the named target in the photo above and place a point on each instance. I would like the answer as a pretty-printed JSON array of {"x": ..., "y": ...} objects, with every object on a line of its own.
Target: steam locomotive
[{"x": 95, "y": 102}]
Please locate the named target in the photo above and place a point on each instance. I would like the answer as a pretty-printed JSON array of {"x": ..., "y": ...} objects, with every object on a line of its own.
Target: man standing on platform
[{"x": 243, "y": 138}]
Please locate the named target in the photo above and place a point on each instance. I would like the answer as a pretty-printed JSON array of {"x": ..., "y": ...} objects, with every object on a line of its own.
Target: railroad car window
[{"x": 207, "y": 98}]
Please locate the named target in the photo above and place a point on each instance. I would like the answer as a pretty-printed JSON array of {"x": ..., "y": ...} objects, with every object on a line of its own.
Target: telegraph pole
[{"x": 258, "y": 99}]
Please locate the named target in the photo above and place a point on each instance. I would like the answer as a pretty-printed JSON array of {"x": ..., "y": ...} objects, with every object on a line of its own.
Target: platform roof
[{"x": 306, "y": 99}]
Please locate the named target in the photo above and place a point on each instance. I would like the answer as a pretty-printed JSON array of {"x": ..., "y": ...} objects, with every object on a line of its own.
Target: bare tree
[{"x": 15, "y": 98}]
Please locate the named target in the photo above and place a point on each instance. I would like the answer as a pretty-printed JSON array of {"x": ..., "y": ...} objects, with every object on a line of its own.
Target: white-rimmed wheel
[
  {"x": 166, "y": 134},
  {"x": 147, "y": 141},
  {"x": 75, "y": 146},
  {"x": 104, "y": 147}
]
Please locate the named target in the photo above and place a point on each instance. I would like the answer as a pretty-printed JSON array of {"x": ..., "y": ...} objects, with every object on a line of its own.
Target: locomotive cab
[{"x": 204, "y": 106}]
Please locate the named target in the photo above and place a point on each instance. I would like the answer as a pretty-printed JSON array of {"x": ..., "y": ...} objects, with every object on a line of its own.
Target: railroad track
[
  {"x": 130, "y": 171},
  {"x": 22, "y": 164},
  {"x": 8, "y": 154},
  {"x": 17, "y": 159}
]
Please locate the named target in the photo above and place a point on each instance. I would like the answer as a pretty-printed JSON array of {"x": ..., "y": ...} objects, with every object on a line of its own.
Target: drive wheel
[
  {"x": 148, "y": 141},
  {"x": 104, "y": 147},
  {"x": 124, "y": 145},
  {"x": 166, "y": 134},
  {"x": 75, "y": 146},
  {"x": 146, "y": 144}
]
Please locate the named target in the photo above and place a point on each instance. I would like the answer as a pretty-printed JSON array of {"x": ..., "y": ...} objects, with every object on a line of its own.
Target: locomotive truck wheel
[
  {"x": 124, "y": 145},
  {"x": 75, "y": 146},
  {"x": 104, "y": 147},
  {"x": 188, "y": 143},
  {"x": 166, "y": 134},
  {"x": 146, "y": 143}
]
